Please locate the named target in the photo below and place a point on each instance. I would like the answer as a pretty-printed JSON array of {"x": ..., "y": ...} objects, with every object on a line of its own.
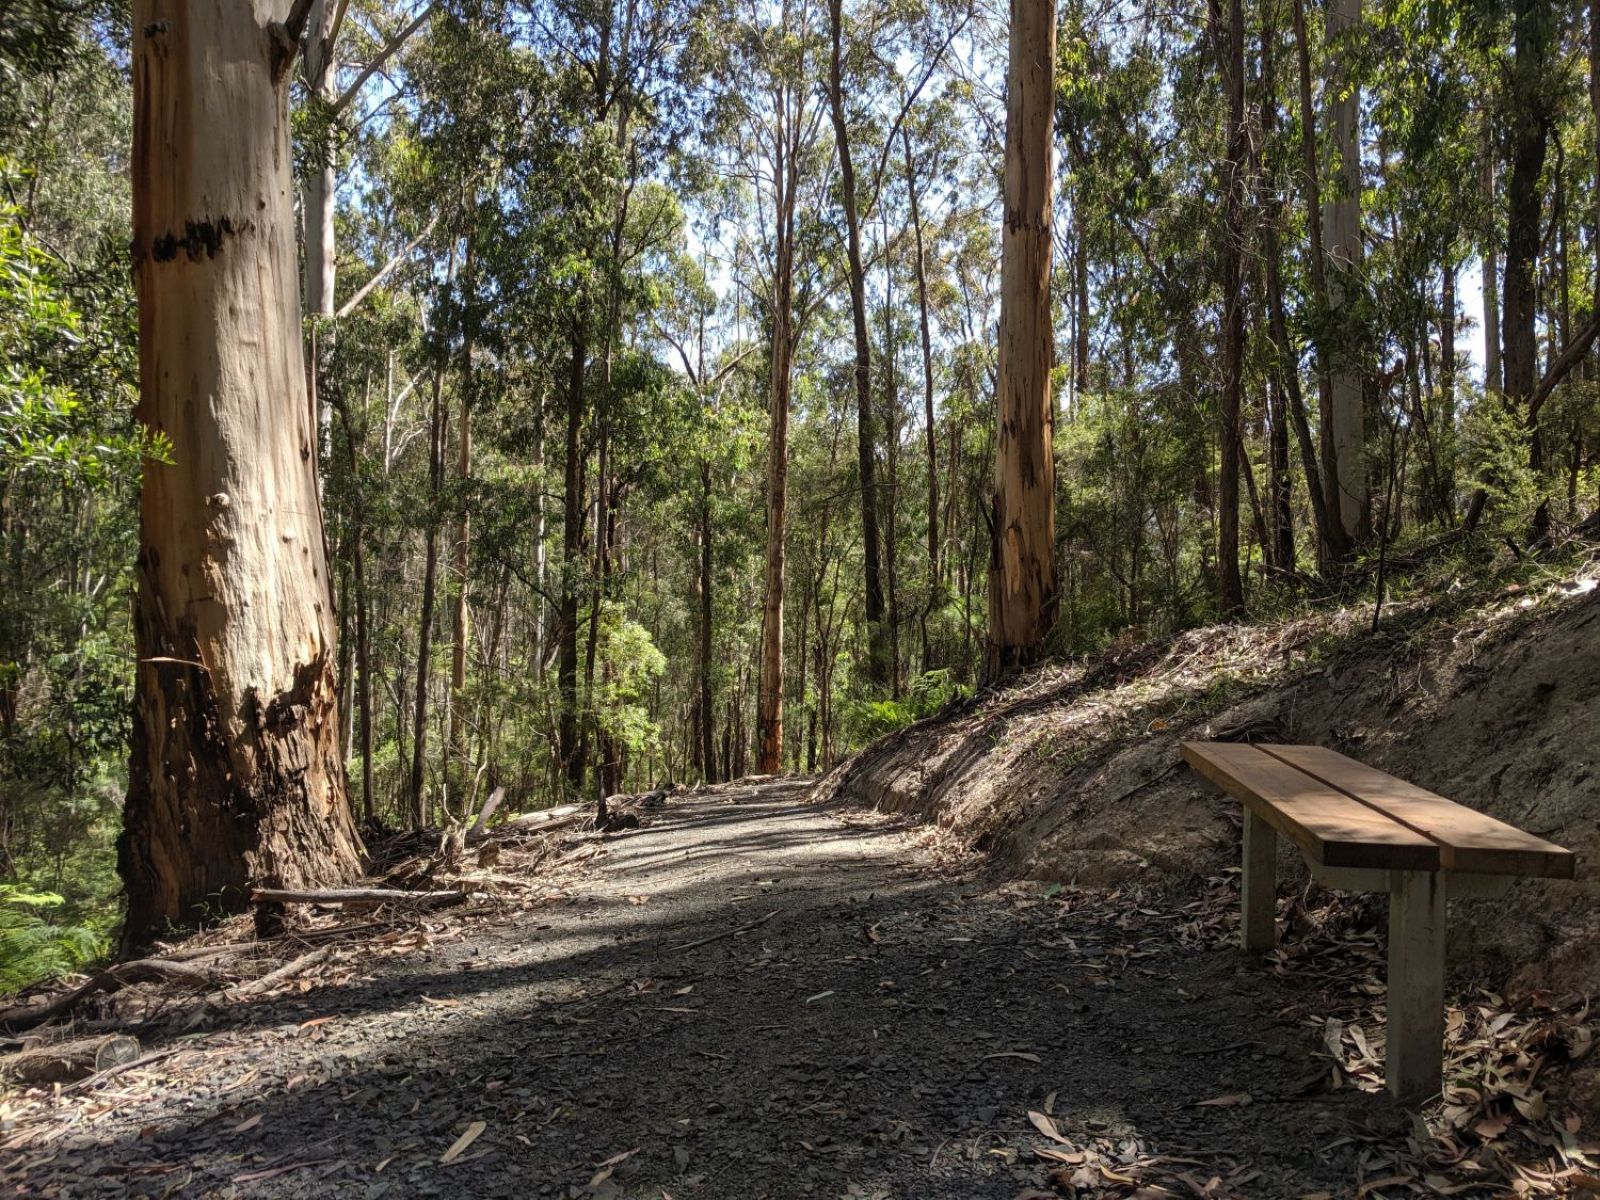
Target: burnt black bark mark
[{"x": 203, "y": 238}]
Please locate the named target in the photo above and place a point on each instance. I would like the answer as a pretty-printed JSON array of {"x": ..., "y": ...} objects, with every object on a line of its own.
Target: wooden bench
[{"x": 1363, "y": 830}]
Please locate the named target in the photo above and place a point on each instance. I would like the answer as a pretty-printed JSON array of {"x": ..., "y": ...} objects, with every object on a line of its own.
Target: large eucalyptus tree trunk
[
  {"x": 236, "y": 775},
  {"x": 1022, "y": 567}
]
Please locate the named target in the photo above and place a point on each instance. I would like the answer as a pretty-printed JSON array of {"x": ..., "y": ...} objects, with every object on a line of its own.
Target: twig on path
[
  {"x": 144, "y": 1061},
  {"x": 727, "y": 933}
]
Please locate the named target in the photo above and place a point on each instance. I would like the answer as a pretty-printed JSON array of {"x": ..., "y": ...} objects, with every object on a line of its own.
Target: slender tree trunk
[
  {"x": 877, "y": 641},
  {"x": 708, "y": 748},
  {"x": 1534, "y": 33},
  {"x": 1342, "y": 224},
  {"x": 1022, "y": 570},
  {"x": 236, "y": 775},
  {"x": 1290, "y": 406},
  {"x": 572, "y": 758},
  {"x": 929, "y": 419},
  {"x": 1493, "y": 373},
  {"x": 769, "y": 716},
  {"x": 430, "y": 573},
  {"x": 461, "y": 559},
  {"x": 1337, "y": 533},
  {"x": 1230, "y": 584},
  {"x": 362, "y": 605}
]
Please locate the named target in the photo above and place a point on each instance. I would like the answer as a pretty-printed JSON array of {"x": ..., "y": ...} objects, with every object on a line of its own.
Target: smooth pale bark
[
  {"x": 236, "y": 773},
  {"x": 1341, "y": 220},
  {"x": 866, "y": 441},
  {"x": 320, "y": 70},
  {"x": 1022, "y": 567}
]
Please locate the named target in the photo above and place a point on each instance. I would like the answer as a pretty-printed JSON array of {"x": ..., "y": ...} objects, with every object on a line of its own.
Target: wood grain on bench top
[
  {"x": 1329, "y": 826},
  {"x": 1468, "y": 840}
]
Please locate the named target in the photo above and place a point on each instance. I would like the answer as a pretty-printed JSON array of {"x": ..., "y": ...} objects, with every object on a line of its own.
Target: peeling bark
[{"x": 236, "y": 774}]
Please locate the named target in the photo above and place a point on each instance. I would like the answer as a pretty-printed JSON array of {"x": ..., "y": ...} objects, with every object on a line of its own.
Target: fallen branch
[
  {"x": 112, "y": 979},
  {"x": 727, "y": 933},
  {"x": 357, "y": 896},
  {"x": 272, "y": 978}
]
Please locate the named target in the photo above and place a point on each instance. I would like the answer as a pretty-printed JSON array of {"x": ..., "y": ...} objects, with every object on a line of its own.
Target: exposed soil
[
  {"x": 1485, "y": 695},
  {"x": 882, "y": 1027}
]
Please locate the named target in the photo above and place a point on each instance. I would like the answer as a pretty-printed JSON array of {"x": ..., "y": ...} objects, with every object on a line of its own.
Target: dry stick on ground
[
  {"x": 272, "y": 978},
  {"x": 727, "y": 933},
  {"x": 357, "y": 896}
]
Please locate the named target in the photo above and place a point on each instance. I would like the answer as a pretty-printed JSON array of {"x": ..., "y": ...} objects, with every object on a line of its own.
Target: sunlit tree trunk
[
  {"x": 1022, "y": 568},
  {"x": 236, "y": 773},
  {"x": 866, "y": 442}
]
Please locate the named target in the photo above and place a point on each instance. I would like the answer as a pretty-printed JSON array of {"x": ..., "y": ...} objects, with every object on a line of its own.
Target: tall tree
[
  {"x": 236, "y": 773},
  {"x": 1022, "y": 567},
  {"x": 1230, "y": 41},
  {"x": 1341, "y": 221},
  {"x": 878, "y": 665}
]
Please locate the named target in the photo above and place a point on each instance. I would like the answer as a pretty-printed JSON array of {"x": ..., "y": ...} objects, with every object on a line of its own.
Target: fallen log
[
  {"x": 357, "y": 896},
  {"x": 65, "y": 1062},
  {"x": 111, "y": 979}
]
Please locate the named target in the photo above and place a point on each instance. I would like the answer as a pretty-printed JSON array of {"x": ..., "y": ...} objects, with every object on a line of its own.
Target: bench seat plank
[
  {"x": 1468, "y": 840},
  {"x": 1329, "y": 826}
]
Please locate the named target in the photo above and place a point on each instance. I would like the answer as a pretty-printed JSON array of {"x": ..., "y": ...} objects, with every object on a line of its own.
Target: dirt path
[{"x": 884, "y": 1030}]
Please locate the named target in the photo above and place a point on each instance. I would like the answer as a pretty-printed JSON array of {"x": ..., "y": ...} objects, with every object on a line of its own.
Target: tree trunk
[
  {"x": 877, "y": 649},
  {"x": 430, "y": 578},
  {"x": 1230, "y": 584},
  {"x": 571, "y": 560},
  {"x": 236, "y": 777},
  {"x": 456, "y": 767},
  {"x": 929, "y": 419},
  {"x": 1534, "y": 36},
  {"x": 769, "y": 715},
  {"x": 1342, "y": 225},
  {"x": 1493, "y": 375},
  {"x": 708, "y": 746},
  {"x": 1337, "y": 545},
  {"x": 1022, "y": 568}
]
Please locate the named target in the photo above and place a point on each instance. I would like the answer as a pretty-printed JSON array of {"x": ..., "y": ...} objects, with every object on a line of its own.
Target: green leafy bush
[
  {"x": 927, "y": 694},
  {"x": 34, "y": 948}
]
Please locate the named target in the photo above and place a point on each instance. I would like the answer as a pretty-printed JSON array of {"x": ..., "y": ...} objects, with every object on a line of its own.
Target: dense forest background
[{"x": 614, "y": 308}]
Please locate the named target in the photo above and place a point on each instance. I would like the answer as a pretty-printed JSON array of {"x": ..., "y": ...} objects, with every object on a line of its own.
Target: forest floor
[{"x": 759, "y": 995}]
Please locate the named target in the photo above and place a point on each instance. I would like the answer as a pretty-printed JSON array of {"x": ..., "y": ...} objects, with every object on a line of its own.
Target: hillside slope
[{"x": 1483, "y": 691}]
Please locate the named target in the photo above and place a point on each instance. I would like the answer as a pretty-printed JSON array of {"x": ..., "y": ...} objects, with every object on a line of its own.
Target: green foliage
[
  {"x": 927, "y": 695},
  {"x": 35, "y": 948}
]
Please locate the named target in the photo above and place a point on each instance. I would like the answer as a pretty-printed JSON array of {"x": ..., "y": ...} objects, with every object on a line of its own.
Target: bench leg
[
  {"x": 1417, "y": 911},
  {"x": 1259, "y": 886}
]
